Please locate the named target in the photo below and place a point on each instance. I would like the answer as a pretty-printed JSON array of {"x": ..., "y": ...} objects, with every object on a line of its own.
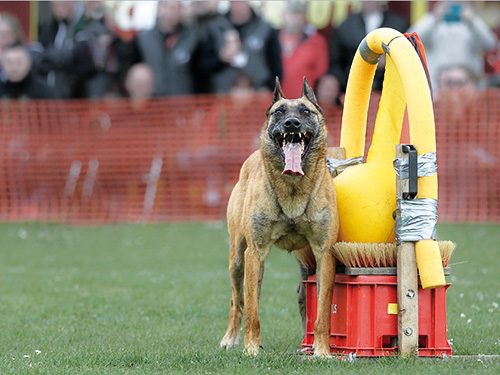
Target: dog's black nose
[{"x": 292, "y": 124}]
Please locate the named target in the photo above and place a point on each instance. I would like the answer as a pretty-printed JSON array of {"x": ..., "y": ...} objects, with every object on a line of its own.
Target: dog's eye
[
  {"x": 278, "y": 111},
  {"x": 306, "y": 111}
]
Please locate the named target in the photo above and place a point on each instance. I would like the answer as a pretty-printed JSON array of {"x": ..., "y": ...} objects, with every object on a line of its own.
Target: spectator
[
  {"x": 204, "y": 13},
  {"x": 345, "y": 42},
  {"x": 112, "y": 56},
  {"x": 10, "y": 31},
  {"x": 304, "y": 52},
  {"x": 170, "y": 49},
  {"x": 139, "y": 84},
  {"x": 242, "y": 87},
  {"x": 453, "y": 33},
  {"x": 65, "y": 59},
  {"x": 492, "y": 62},
  {"x": 457, "y": 77},
  {"x": 20, "y": 82},
  {"x": 240, "y": 40},
  {"x": 457, "y": 90}
]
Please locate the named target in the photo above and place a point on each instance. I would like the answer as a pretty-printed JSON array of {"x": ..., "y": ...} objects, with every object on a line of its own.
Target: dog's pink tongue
[{"x": 293, "y": 159}]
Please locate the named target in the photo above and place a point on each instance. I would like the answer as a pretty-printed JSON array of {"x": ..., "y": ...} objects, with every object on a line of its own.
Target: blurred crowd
[{"x": 194, "y": 47}]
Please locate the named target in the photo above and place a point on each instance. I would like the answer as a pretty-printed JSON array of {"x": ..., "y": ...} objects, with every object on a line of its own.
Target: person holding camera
[{"x": 453, "y": 34}]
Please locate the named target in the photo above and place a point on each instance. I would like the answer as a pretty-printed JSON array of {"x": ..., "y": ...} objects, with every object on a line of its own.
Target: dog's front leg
[
  {"x": 236, "y": 272},
  {"x": 325, "y": 281},
  {"x": 254, "y": 271}
]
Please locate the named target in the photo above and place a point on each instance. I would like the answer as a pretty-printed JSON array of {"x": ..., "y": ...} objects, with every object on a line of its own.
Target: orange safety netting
[{"x": 177, "y": 159}]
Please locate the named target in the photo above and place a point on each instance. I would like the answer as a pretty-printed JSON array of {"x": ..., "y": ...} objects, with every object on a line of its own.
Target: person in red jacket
[{"x": 304, "y": 52}]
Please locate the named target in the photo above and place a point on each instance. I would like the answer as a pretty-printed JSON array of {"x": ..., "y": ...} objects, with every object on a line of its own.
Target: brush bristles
[
  {"x": 358, "y": 255},
  {"x": 366, "y": 254},
  {"x": 446, "y": 248}
]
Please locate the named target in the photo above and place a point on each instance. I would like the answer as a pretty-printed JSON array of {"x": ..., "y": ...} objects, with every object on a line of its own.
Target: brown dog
[{"x": 285, "y": 196}]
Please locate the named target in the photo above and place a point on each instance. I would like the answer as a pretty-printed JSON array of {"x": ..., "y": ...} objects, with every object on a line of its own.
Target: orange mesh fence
[{"x": 177, "y": 159}]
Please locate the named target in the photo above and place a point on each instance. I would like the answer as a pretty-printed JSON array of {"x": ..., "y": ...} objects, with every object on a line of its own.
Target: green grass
[{"x": 154, "y": 299}]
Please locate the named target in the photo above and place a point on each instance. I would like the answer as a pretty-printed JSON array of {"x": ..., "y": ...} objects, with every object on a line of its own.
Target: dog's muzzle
[{"x": 293, "y": 145}]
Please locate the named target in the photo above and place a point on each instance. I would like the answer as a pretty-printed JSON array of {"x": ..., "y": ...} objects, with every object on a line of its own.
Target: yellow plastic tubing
[{"x": 366, "y": 193}]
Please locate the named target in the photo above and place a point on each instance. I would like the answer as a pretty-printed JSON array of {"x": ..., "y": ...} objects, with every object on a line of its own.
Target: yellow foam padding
[
  {"x": 367, "y": 203},
  {"x": 418, "y": 95},
  {"x": 429, "y": 264},
  {"x": 359, "y": 88},
  {"x": 420, "y": 110},
  {"x": 389, "y": 122},
  {"x": 416, "y": 90},
  {"x": 383, "y": 35},
  {"x": 367, "y": 193},
  {"x": 428, "y": 187}
]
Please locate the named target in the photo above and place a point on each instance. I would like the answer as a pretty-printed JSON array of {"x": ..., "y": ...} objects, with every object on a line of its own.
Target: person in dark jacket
[
  {"x": 65, "y": 59},
  {"x": 345, "y": 42},
  {"x": 19, "y": 82},
  {"x": 112, "y": 55},
  {"x": 241, "y": 41},
  {"x": 170, "y": 49}
]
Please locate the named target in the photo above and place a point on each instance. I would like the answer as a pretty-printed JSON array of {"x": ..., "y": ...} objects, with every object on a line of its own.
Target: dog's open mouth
[{"x": 293, "y": 148}]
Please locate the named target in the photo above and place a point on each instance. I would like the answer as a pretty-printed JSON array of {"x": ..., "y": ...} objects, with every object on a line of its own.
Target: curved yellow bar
[
  {"x": 358, "y": 91},
  {"x": 359, "y": 88},
  {"x": 367, "y": 192},
  {"x": 358, "y": 218},
  {"x": 389, "y": 121}
]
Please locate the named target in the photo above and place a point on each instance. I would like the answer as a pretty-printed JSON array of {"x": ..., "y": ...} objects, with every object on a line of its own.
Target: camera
[{"x": 454, "y": 13}]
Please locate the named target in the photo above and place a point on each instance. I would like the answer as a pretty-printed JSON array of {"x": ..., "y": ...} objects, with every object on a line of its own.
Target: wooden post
[
  {"x": 407, "y": 288},
  {"x": 407, "y": 300}
]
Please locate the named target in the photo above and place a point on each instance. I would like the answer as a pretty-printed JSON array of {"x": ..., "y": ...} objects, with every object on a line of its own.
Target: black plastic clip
[{"x": 413, "y": 172}]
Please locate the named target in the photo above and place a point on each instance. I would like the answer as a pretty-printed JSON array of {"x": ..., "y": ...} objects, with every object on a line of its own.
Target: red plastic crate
[{"x": 365, "y": 321}]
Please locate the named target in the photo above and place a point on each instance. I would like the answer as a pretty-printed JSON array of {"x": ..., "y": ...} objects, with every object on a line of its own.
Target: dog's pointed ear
[
  {"x": 308, "y": 92},
  {"x": 278, "y": 93}
]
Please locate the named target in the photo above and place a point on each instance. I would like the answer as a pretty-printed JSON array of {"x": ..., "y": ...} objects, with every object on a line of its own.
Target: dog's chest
[
  {"x": 290, "y": 234},
  {"x": 293, "y": 209},
  {"x": 285, "y": 233}
]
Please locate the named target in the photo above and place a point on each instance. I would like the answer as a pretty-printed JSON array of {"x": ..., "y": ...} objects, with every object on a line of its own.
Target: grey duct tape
[
  {"x": 417, "y": 220},
  {"x": 336, "y": 166},
  {"x": 367, "y": 54},
  {"x": 427, "y": 166}
]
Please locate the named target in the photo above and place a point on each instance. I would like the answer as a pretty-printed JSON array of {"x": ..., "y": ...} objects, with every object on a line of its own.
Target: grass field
[{"x": 154, "y": 300}]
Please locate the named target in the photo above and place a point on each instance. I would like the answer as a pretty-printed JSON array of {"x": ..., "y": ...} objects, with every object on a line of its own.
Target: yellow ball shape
[{"x": 366, "y": 199}]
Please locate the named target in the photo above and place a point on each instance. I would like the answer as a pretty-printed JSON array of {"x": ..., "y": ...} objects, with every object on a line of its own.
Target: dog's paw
[
  {"x": 322, "y": 352},
  {"x": 252, "y": 351},
  {"x": 230, "y": 340}
]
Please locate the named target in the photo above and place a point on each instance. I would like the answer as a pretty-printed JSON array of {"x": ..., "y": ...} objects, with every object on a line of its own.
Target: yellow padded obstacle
[{"x": 367, "y": 192}]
